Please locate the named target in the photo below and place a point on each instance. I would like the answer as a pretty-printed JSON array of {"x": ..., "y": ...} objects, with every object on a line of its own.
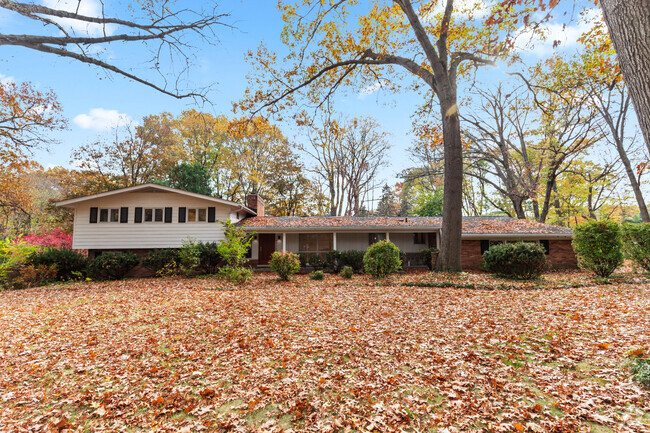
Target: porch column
[
  {"x": 388, "y": 236},
  {"x": 284, "y": 242},
  {"x": 334, "y": 241}
]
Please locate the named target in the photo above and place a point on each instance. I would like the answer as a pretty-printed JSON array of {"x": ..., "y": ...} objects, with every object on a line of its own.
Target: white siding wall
[
  {"x": 405, "y": 242},
  {"x": 117, "y": 235}
]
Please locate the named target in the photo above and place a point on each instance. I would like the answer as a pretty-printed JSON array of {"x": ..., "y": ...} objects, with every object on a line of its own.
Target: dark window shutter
[
  {"x": 93, "y": 215},
  {"x": 168, "y": 214},
  {"x": 211, "y": 214},
  {"x": 485, "y": 245},
  {"x": 138, "y": 215},
  {"x": 182, "y": 211},
  {"x": 124, "y": 214}
]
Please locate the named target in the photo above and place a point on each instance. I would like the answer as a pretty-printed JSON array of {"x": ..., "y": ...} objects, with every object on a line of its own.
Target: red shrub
[{"x": 56, "y": 238}]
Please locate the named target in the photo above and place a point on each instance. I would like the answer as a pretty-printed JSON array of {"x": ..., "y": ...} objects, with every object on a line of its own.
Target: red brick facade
[{"x": 561, "y": 254}]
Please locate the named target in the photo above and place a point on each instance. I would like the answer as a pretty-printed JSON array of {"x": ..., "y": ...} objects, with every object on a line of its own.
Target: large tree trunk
[
  {"x": 629, "y": 26},
  {"x": 518, "y": 205},
  {"x": 452, "y": 208},
  {"x": 631, "y": 175}
]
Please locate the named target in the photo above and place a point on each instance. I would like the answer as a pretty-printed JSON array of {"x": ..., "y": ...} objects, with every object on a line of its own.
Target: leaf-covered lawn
[{"x": 332, "y": 355}]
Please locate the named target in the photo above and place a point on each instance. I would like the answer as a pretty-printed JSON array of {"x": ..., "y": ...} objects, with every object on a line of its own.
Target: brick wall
[
  {"x": 470, "y": 254},
  {"x": 561, "y": 254}
]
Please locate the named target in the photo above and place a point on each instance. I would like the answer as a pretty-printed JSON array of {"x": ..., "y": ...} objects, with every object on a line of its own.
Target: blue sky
[{"x": 92, "y": 99}]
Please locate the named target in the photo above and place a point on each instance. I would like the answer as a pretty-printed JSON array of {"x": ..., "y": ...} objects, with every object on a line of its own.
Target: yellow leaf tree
[{"x": 423, "y": 47}]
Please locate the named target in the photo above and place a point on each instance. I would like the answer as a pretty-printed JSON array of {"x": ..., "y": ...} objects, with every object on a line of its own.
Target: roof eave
[{"x": 69, "y": 203}]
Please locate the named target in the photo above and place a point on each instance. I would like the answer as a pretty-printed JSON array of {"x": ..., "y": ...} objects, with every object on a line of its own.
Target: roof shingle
[{"x": 471, "y": 225}]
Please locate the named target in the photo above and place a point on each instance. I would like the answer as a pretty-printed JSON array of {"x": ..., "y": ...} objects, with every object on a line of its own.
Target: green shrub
[
  {"x": 189, "y": 257},
  {"x": 66, "y": 262},
  {"x": 315, "y": 261},
  {"x": 112, "y": 265},
  {"x": 236, "y": 275},
  {"x": 636, "y": 243},
  {"x": 157, "y": 261},
  {"x": 13, "y": 257},
  {"x": 346, "y": 272},
  {"x": 427, "y": 254},
  {"x": 354, "y": 259},
  {"x": 382, "y": 259},
  {"x": 209, "y": 257},
  {"x": 233, "y": 251},
  {"x": 598, "y": 246},
  {"x": 317, "y": 275},
  {"x": 284, "y": 264},
  {"x": 641, "y": 370},
  {"x": 522, "y": 260},
  {"x": 333, "y": 260}
]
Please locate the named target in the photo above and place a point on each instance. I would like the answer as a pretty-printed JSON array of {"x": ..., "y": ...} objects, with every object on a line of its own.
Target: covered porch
[{"x": 410, "y": 242}]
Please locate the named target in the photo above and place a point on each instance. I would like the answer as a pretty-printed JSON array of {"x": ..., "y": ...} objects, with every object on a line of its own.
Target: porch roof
[{"x": 472, "y": 226}]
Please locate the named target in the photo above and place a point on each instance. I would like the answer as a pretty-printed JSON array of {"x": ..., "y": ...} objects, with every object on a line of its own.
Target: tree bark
[
  {"x": 452, "y": 207},
  {"x": 628, "y": 22},
  {"x": 643, "y": 209}
]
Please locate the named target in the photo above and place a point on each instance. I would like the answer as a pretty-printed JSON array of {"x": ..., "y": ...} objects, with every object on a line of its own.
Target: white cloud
[
  {"x": 101, "y": 119},
  {"x": 91, "y": 8},
  {"x": 372, "y": 88},
  {"x": 565, "y": 36},
  {"x": 4, "y": 79}
]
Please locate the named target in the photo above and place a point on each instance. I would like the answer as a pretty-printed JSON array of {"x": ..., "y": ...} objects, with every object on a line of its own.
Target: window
[
  {"x": 419, "y": 238},
  {"x": 153, "y": 215},
  {"x": 197, "y": 215},
  {"x": 315, "y": 243},
  {"x": 376, "y": 237},
  {"x": 109, "y": 215}
]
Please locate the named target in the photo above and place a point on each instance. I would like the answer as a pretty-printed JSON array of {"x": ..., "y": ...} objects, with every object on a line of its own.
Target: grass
[{"x": 416, "y": 352}]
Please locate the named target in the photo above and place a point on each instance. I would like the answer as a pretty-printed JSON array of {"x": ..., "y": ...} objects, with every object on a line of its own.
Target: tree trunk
[
  {"x": 452, "y": 208},
  {"x": 631, "y": 175},
  {"x": 518, "y": 205},
  {"x": 550, "y": 183},
  {"x": 629, "y": 27}
]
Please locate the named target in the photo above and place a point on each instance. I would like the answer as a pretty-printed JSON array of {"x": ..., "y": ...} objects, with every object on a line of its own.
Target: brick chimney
[{"x": 255, "y": 202}]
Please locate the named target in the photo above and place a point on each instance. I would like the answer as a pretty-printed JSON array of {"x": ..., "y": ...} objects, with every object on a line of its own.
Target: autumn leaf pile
[{"x": 333, "y": 355}]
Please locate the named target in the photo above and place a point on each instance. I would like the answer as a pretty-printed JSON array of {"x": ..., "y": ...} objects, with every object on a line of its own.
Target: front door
[{"x": 267, "y": 247}]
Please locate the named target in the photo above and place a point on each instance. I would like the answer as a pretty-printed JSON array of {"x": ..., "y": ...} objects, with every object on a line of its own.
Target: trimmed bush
[
  {"x": 209, "y": 257},
  {"x": 636, "y": 243},
  {"x": 159, "y": 261},
  {"x": 112, "y": 265},
  {"x": 317, "y": 275},
  {"x": 522, "y": 260},
  {"x": 69, "y": 264},
  {"x": 598, "y": 246},
  {"x": 284, "y": 264},
  {"x": 427, "y": 254},
  {"x": 315, "y": 261},
  {"x": 354, "y": 259},
  {"x": 346, "y": 272},
  {"x": 333, "y": 261},
  {"x": 382, "y": 259}
]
